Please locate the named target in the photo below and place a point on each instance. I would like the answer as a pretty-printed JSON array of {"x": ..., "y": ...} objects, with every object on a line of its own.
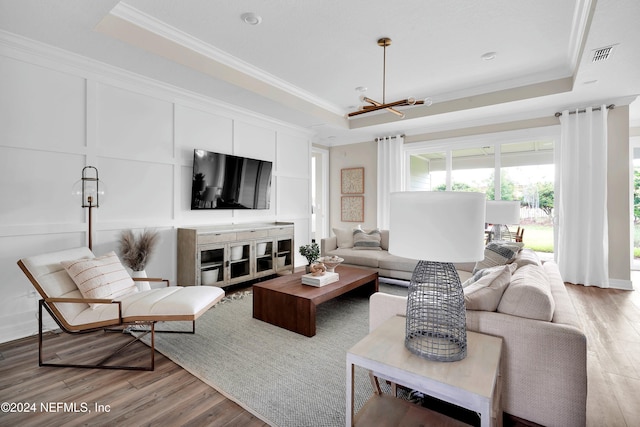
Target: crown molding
[
  {"x": 162, "y": 29},
  {"x": 582, "y": 18}
]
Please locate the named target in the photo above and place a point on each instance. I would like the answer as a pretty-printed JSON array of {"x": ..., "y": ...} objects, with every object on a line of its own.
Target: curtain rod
[
  {"x": 378, "y": 138},
  {"x": 583, "y": 110}
]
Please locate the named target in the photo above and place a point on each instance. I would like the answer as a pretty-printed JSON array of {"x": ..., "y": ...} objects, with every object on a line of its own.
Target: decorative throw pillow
[
  {"x": 367, "y": 240},
  {"x": 344, "y": 238},
  {"x": 485, "y": 294},
  {"x": 384, "y": 240},
  {"x": 485, "y": 271},
  {"x": 101, "y": 277},
  {"x": 496, "y": 254}
]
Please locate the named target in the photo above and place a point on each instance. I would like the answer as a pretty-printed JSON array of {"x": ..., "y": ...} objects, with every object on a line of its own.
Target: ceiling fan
[{"x": 375, "y": 105}]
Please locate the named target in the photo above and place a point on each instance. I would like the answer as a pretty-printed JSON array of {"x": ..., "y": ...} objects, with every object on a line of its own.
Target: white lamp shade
[
  {"x": 437, "y": 226},
  {"x": 503, "y": 212}
]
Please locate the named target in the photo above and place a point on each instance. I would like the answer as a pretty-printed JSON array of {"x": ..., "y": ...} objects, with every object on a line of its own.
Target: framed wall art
[
  {"x": 352, "y": 180},
  {"x": 352, "y": 208}
]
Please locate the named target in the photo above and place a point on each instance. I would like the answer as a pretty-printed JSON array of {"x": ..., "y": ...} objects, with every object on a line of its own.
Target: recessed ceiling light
[
  {"x": 361, "y": 89},
  {"x": 489, "y": 56},
  {"x": 251, "y": 18}
]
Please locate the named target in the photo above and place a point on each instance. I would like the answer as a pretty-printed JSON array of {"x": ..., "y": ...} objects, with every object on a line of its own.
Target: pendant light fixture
[{"x": 375, "y": 105}]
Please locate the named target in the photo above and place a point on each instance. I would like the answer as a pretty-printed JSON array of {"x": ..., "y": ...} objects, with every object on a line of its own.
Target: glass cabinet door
[
  {"x": 239, "y": 261},
  {"x": 284, "y": 254},
  {"x": 264, "y": 257},
  {"x": 211, "y": 266}
]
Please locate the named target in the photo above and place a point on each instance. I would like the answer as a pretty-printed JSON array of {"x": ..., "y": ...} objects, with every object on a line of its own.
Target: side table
[{"x": 473, "y": 383}]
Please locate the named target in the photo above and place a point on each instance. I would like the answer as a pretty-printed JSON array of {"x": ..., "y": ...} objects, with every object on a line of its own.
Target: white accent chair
[{"x": 73, "y": 314}]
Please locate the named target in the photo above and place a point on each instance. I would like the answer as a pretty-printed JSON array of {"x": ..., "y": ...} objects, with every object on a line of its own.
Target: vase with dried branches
[{"x": 136, "y": 250}]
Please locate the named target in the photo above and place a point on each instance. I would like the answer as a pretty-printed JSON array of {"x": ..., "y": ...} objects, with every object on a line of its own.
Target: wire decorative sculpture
[{"x": 436, "y": 316}]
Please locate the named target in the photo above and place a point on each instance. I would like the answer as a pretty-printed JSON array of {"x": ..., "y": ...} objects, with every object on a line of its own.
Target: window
[
  {"x": 472, "y": 169},
  {"x": 515, "y": 165},
  {"x": 428, "y": 172}
]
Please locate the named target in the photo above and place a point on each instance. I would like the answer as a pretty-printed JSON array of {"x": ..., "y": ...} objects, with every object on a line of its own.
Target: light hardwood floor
[{"x": 171, "y": 396}]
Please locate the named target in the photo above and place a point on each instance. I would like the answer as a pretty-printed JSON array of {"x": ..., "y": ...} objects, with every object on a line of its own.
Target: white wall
[{"x": 60, "y": 112}]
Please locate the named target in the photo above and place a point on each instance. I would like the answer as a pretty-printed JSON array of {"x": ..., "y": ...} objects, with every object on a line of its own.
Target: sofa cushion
[
  {"x": 393, "y": 262},
  {"x": 485, "y": 293},
  {"x": 344, "y": 238},
  {"x": 101, "y": 277},
  {"x": 527, "y": 257},
  {"x": 363, "y": 258},
  {"x": 366, "y": 240},
  {"x": 496, "y": 254},
  {"x": 528, "y": 294}
]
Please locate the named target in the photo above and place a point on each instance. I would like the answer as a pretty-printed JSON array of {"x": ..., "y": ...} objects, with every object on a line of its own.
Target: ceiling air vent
[{"x": 602, "y": 54}]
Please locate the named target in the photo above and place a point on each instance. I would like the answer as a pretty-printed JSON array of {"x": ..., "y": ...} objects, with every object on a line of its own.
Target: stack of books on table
[{"x": 325, "y": 279}]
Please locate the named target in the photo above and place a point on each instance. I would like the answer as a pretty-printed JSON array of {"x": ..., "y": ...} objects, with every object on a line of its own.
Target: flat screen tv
[{"x": 223, "y": 181}]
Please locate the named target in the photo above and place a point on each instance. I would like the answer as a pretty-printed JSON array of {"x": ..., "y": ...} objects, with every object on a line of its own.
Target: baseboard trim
[{"x": 625, "y": 285}]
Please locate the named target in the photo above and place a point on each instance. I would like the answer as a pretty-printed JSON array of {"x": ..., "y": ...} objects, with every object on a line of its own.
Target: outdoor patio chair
[{"x": 107, "y": 299}]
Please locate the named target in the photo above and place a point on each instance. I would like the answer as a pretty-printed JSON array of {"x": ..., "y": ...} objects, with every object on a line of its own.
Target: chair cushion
[
  {"x": 170, "y": 303},
  {"x": 101, "y": 277}
]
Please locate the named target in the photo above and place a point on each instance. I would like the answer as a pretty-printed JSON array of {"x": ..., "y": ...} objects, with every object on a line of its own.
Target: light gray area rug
[{"x": 283, "y": 378}]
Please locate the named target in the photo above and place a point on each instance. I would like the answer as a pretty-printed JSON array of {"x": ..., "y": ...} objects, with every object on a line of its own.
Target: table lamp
[
  {"x": 437, "y": 228},
  {"x": 500, "y": 213}
]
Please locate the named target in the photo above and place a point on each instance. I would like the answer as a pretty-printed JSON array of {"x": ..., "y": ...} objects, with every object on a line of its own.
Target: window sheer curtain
[
  {"x": 582, "y": 244},
  {"x": 389, "y": 175}
]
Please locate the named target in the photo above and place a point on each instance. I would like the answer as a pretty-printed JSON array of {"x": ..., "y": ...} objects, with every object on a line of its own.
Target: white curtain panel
[
  {"x": 582, "y": 246},
  {"x": 389, "y": 175}
]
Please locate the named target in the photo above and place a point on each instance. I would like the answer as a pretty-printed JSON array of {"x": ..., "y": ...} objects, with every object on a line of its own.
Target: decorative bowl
[{"x": 331, "y": 262}]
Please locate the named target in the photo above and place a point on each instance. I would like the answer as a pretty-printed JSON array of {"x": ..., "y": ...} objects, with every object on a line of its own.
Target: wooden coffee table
[{"x": 287, "y": 303}]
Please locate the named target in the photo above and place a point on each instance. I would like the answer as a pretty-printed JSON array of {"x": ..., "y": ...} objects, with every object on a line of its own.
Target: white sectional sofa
[
  {"x": 545, "y": 361},
  {"x": 385, "y": 264},
  {"x": 526, "y": 303}
]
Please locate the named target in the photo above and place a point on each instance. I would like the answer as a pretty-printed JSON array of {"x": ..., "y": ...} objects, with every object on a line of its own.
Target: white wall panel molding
[
  {"x": 245, "y": 136},
  {"x": 126, "y": 119},
  {"x": 60, "y": 112},
  {"x": 41, "y": 229},
  {"x": 31, "y": 111},
  {"x": 12, "y": 45},
  {"x": 290, "y": 148}
]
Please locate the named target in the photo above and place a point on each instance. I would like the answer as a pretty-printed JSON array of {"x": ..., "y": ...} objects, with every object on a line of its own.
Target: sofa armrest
[
  {"x": 544, "y": 362},
  {"x": 385, "y": 306},
  {"x": 328, "y": 244}
]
